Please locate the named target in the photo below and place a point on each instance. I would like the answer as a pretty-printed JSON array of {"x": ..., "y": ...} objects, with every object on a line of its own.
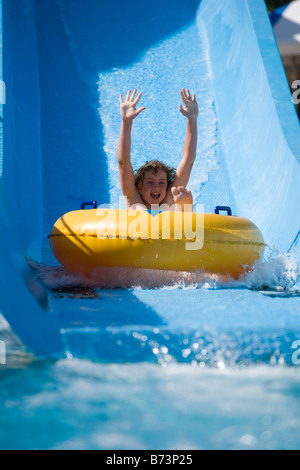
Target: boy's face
[{"x": 154, "y": 187}]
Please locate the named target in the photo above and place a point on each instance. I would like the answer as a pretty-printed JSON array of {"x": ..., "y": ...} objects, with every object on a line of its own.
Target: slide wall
[{"x": 65, "y": 63}]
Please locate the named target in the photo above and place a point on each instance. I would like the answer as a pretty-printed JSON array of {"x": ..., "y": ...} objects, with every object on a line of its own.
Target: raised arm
[
  {"x": 190, "y": 110},
  {"x": 128, "y": 114}
]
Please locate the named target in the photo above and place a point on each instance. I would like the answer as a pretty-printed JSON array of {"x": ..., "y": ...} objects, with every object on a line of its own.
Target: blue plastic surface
[{"x": 64, "y": 66}]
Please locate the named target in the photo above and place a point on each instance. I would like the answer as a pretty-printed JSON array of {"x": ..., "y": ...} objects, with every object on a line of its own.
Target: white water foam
[{"x": 279, "y": 272}]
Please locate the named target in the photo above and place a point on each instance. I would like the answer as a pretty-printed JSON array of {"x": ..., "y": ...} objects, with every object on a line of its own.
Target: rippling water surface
[{"x": 78, "y": 404}]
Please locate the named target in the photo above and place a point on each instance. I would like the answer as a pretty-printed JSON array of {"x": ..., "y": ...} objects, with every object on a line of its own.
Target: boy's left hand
[
  {"x": 182, "y": 197},
  {"x": 190, "y": 107}
]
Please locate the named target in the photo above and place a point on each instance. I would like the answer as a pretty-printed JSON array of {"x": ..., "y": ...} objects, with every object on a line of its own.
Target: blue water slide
[{"x": 65, "y": 63}]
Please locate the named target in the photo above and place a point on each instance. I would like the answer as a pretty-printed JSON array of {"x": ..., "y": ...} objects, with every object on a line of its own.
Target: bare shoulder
[
  {"x": 128, "y": 186},
  {"x": 135, "y": 201}
]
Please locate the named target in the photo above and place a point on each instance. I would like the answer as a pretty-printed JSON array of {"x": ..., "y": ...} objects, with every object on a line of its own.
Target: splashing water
[{"x": 275, "y": 271}]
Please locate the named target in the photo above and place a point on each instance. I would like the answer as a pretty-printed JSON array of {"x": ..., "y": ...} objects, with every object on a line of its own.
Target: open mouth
[{"x": 155, "y": 196}]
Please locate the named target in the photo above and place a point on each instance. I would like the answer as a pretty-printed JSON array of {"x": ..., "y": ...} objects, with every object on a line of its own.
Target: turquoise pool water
[{"x": 79, "y": 404}]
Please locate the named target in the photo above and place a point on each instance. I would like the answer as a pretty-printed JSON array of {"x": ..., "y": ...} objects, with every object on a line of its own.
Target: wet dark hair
[{"x": 154, "y": 166}]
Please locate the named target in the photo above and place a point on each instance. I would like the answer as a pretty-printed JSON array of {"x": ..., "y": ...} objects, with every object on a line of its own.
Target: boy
[{"x": 154, "y": 183}]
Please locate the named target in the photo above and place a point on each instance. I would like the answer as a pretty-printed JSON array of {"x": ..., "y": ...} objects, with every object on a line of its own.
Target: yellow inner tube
[{"x": 87, "y": 239}]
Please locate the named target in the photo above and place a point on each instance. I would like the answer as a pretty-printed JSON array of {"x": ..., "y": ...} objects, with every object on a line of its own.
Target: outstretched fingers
[
  {"x": 137, "y": 99},
  {"x": 183, "y": 96},
  {"x": 128, "y": 95},
  {"x": 128, "y": 106},
  {"x": 186, "y": 96},
  {"x": 183, "y": 111},
  {"x": 140, "y": 110},
  {"x": 133, "y": 96},
  {"x": 135, "y": 102},
  {"x": 190, "y": 105}
]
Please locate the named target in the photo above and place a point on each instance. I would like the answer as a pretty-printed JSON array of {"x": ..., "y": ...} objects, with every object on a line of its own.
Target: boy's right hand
[{"x": 128, "y": 107}]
